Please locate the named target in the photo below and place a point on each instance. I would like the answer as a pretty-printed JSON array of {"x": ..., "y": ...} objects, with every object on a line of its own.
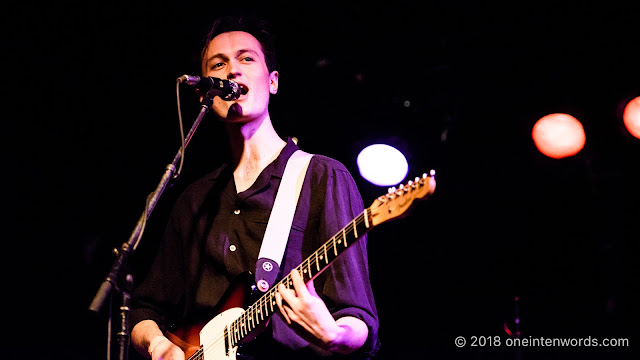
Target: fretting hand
[{"x": 305, "y": 312}]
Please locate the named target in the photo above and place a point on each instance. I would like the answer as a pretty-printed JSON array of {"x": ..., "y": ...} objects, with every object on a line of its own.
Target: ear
[{"x": 273, "y": 82}]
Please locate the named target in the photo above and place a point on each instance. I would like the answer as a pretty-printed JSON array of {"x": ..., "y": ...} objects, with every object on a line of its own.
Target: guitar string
[{"x": 250, "y": 314}]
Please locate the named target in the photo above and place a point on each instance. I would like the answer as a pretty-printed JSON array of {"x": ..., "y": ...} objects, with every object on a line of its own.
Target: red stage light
[
  {"x": 631, "y": 117},
  {"x": 558, "y": 135}
]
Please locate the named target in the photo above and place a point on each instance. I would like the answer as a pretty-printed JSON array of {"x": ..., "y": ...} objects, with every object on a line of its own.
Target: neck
[{"x": 254, "y": 143}]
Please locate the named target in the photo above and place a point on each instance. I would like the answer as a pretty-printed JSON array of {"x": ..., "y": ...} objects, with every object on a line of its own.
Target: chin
[{"x": 227, "y": 111}]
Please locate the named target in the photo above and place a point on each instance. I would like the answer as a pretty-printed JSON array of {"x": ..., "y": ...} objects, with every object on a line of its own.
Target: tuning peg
[
  {"x": 432, "y": 173},
  {"x": 392, "y": 190}
]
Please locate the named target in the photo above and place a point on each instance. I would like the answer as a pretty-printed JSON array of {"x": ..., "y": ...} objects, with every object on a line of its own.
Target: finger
[
  {"x": 298, "y": 284},
  {"x": 289, "y": 296},
  {"x": 280, "y": 304}
]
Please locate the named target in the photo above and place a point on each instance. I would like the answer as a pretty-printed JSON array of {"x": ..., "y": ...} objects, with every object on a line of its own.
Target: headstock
[{"x": 398, "y": 200}]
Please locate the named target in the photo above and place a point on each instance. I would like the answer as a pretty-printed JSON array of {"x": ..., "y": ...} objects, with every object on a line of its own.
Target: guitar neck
[{"x": 310, "y": 268}]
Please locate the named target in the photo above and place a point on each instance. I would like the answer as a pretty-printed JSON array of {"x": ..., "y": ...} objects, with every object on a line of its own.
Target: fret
[
  {"x": 268, "y": 298},
  {"x": 256, "y": 318},
  {"x": 258, "y": 313},
  {"x": 260, "y": 310},
  {"x": 335, "y": 250},
  {"x": 266, "y": 302},
  {"x": 266, "y": 309},
  {"x": 326, "y": 259},
  {"x": 362, "y": 226},
  {"x": 317, "y": 262},
  {"x": 344, "y": 236},
  {"x": 355, "y": 230},
  {"x": 366, "y": 218}
]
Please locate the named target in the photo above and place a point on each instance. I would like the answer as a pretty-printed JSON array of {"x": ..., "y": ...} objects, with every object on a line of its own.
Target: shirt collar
[{"x": 274, "y": 170}]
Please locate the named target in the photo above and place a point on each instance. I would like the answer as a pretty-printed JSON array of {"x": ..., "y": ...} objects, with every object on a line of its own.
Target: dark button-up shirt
[{"x": 214, "y": 234}]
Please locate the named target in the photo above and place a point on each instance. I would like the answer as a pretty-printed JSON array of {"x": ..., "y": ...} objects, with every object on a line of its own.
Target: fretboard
[{"x": 311, "y": 267}]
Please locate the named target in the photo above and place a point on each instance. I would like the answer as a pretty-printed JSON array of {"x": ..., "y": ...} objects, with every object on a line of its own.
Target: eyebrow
[{"x": 225, "y": 57}]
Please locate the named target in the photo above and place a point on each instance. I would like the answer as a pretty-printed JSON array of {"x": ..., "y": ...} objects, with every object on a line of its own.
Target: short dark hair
[{"x": 255, "y": 26}]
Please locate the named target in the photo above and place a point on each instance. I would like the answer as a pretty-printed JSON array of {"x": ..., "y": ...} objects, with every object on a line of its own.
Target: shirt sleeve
[
  {"x": 161, "y": 292},
  {"x": 347, "y": 289}
]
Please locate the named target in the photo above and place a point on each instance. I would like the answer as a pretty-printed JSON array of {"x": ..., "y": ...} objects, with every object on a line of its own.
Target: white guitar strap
[{"x": 276, "y": 236}]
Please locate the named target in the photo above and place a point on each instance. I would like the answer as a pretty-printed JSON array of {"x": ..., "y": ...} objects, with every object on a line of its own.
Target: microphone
[{"x": 227, "y": 89}]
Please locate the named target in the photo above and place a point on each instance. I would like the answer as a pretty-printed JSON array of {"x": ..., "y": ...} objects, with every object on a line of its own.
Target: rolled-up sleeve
[{"x": 347, "y": 289}]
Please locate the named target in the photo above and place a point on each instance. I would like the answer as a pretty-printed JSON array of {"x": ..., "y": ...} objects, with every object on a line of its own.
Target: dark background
[{"x": 93, "y": 121}]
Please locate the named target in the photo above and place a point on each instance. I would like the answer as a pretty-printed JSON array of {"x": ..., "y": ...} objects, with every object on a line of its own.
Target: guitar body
[{"x": 205, "y": 340}]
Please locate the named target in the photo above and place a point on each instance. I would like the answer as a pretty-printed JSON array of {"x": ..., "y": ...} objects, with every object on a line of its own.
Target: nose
[{"x": 234, "y": 70}]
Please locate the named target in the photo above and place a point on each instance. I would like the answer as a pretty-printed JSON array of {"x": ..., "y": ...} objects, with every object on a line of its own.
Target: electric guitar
[{"x": 236, "y": 323}]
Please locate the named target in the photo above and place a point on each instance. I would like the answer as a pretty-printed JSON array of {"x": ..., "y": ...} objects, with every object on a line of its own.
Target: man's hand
[
  {"x": 302, "y": 308},
  {"x": 148, "y": 339},
  {"x": 164, "y": 349}
]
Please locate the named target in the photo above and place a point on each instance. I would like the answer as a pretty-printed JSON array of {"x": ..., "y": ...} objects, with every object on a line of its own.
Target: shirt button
[
  {"x": 232, "y": 248},
  {"x": 236, "y": 211}
]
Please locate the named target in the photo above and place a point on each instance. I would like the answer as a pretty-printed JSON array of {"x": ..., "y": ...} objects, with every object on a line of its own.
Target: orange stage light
[{"x": 558, "y": 135}]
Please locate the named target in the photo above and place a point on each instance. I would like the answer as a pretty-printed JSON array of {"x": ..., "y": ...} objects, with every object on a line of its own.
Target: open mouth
[{"x": 243, "y": 89}]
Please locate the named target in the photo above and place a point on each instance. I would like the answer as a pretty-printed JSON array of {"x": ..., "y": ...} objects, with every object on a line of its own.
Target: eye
[
  {"x": 247, "y": 59},
  {"x": 217, "y": 66}
]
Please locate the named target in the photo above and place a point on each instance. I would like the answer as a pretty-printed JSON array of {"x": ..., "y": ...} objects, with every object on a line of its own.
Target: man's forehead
[{"x": 230, "y": 42}]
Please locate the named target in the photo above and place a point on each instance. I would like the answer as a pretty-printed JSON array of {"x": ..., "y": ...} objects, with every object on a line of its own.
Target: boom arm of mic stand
[{"x": 127, "y": 249}]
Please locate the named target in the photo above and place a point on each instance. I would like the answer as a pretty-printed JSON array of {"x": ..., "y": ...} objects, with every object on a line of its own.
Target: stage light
[
  {"x": 558, "y": 135},
  {"x": 631, "y": 117},
  {"x": 382, "y": 165}
]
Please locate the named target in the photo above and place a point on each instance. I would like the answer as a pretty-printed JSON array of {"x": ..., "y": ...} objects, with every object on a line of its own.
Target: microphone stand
[{"x": 118, "y": 277}]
